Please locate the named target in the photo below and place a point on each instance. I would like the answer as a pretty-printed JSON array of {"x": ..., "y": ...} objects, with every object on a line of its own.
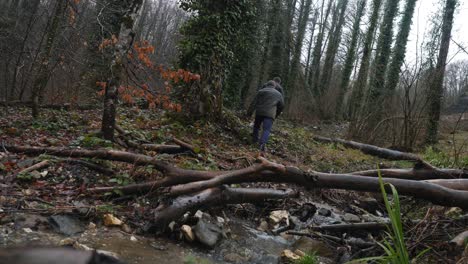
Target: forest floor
[{"x": 44, "y": 207}]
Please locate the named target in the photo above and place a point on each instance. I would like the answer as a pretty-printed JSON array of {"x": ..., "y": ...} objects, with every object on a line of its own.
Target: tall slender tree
[
  {"x": 332, "y": 48},
  {"x": 44, "y": 67},
  {"x": 359, "y": 87},
  {"x": 377, "y": 82},
  {"x": 128, "y": 12},
  {"x": 399, "y": 50},
  {"x": 311, "y": 40},
  {"x": 296, "y": 60},
  {"x": 436, "y": 90},
  {"x": 314, "y": 69},
  {"x": 350, "y": 56}
]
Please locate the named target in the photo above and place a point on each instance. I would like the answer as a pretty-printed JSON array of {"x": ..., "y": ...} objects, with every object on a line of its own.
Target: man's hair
[{"x": 277, "y": 79}]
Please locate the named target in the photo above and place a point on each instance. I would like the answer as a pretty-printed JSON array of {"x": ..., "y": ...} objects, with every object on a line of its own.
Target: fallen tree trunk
[
  {"x": 199, "y": 180},
  {"x": 114, "y": 155},
  {"x": 372, "y": 150},
  {"x": 211, "y": 197},
  {"x": 417, "y": 174},
  {"x": 456, "y": 184}
]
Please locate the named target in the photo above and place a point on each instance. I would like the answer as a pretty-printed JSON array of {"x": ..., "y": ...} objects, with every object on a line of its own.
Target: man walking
[{"x": 268, "y": 105}]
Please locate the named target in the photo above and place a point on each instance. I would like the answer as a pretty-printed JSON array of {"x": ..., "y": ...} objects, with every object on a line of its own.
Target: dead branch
[
  {"x": 184, "y": 145},
  {"x": 169, "y": 149},
  {"x": 211, "y": 197},
  {"x": 375, "y": 226},
  {"x": 114, "y": 155},
  {"x": 180, "y": 146},
  {"x": 37, "y": 166}
]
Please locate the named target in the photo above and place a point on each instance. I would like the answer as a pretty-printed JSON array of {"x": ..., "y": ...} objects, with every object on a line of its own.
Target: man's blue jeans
[{"x": 267, "y": 124}]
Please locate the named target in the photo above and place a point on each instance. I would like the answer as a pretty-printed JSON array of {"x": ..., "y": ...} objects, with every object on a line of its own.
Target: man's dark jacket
[{"x": 268, "y": 102}]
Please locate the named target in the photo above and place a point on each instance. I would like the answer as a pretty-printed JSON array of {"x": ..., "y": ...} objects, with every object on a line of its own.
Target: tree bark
[
  {"x": 130, "y": 14},
  {"x": 350, "y": 57},
  {"x": 212, "y": 197},
  {"x": 43, "y": 73},
  {"x": 357, "y": 96},
  {"x": 436, "y": 90}
]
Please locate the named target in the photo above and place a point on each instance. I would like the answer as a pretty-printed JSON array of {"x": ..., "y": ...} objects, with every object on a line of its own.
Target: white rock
[
  {"x": 220, "y": 220},
  {"x": 198, "y": 214},
  {"x": 279, "y": 216},
  {"x": 188, "y": 233},
  {"x": 27, "y": 230},
  {"x": 172, "y": 225}
]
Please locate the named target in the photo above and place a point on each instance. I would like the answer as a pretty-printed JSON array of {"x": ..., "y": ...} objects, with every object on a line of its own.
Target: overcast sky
[{"x": 424, "y": 10}]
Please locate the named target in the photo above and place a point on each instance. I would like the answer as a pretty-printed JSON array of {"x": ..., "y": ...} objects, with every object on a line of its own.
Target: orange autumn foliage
[{"x": 140, "y": 56}]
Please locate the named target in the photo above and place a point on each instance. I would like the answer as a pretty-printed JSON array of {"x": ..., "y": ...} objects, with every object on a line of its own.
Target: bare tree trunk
[
  {"x": 437, "y": 90},
  {"x": 125, "y": 39},
  {"x": 43, "y": 73}
]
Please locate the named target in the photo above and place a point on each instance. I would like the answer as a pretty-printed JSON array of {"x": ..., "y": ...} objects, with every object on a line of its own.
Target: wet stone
[
  {"x": 66, "y": 225},
  {"x": 324, "y": 212},
  {"x": 207, "y": 233},
  {"x": 351, "y": 218}
]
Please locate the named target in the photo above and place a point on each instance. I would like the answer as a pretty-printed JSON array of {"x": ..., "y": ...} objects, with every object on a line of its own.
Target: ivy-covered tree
[
  {"x": 436, "y": 90},
  {"x": 333, "y": 44},
  {"x": 207, "y": 48},
  {"x": 359, "y": 87},
  {"x": 246, "y": 59},
  {"x": 383, "y": 50},
  {"x": 399, "y": 50},
  {"x": 350, "y": 57}
]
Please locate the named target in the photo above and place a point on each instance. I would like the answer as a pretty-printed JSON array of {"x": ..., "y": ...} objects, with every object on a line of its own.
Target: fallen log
[
  {"x": 456, "y": 184},
  {"x": 416, "y": 173},
  {"x": 114, "y": 155},
  {"x": 229, "y": 177},
  {"x": 212, "y": 197},
  {"x": 197, "y": 180},
  {"x": 372, "y": 150}
]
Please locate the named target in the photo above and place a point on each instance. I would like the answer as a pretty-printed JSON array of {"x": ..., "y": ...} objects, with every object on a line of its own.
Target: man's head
[
  {"x": 277, "y": 80},
  {"x": 270, "y": 83}
]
